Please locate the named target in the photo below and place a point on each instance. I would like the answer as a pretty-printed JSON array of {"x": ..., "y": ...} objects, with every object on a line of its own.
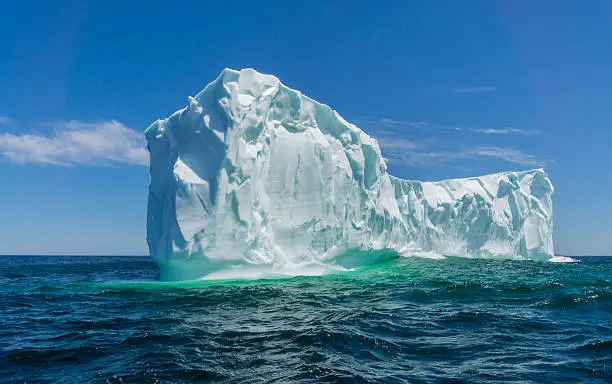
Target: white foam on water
[
  {"x": 562, "y": 259},
  {"x": 424, "y": 255},
  {"x": 255, "y": 273}
]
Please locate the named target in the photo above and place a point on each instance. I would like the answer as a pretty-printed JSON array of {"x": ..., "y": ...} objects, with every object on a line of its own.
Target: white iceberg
[{"x": 253, "y": 175}]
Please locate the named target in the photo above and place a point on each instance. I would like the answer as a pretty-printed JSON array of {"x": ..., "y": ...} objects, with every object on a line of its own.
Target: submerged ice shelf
[{"x": 253, "y": 175}]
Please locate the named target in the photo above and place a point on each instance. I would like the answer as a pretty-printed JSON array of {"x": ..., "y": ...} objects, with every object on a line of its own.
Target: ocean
[{"x": 407, "y": 320}]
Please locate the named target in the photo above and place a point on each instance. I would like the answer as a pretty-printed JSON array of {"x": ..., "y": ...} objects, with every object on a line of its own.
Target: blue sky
[{"x": 450, "y": 89}]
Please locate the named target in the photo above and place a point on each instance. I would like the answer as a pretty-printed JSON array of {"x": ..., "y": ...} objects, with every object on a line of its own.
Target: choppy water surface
[{"x": 105, "y": 319}]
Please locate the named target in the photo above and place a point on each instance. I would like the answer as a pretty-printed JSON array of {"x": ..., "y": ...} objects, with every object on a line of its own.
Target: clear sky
[{"x": 450, "y": 89}]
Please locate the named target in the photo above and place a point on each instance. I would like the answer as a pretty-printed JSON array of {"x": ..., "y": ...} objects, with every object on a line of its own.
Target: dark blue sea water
[{"x": 107, "y": 320}]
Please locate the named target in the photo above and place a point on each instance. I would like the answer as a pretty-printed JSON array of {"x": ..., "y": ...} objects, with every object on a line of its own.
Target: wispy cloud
[
  {"x": 416, "y": 159},
  {"x": 76, "y": 142},
  {"x": 387, "y": 122},
  {"x": 468, "y": 90},
  {"x": 558, "y": 97},
  {"x": 511, "y": 155},
  {"x": 420, "y": 158},
  {"x": 5, "y": 120},
  {"x": 377, "y": 123},
  {"x": 390, "y": 122},
  {"x": 389, "y": 143},
  {"x": 382, "y": 124},
  {"x": 433, "y": 141},
  {"x": 504, "y": 131}
]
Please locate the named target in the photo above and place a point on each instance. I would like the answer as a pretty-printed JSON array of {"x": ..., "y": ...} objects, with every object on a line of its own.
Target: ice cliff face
[{"x": 253, "y": 174}]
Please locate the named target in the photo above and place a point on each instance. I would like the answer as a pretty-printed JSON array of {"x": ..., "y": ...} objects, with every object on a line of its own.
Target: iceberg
[{"x": 255, "y": 177}]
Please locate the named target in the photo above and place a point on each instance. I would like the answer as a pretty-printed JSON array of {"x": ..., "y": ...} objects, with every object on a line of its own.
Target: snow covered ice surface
[{"x": 253, "y": 178}]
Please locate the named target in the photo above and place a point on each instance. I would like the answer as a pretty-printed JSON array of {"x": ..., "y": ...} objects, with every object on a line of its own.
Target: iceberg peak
[{"x": 255, "y": 175}]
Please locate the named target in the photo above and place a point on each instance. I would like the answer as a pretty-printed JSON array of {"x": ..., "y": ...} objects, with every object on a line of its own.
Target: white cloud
[
  {"x": 504, "y": 131},
  {"x": 385, "y": 122},
  {"x": 420, "y": 158},
  {"x": 511, "y": 155},
  {"x": 438, "y": 149},
  {"x": 376, "y": 123},
  {"x": 469, "y": 90},
  {"x": 5, "y": 120},
  {"x": 416, "y": 159},
  {"x": 392, "y": 124},
  {"x": 76, "y": 142},
  {"x": 389, "y": 143},
  {"x": 389, "y": 122}
]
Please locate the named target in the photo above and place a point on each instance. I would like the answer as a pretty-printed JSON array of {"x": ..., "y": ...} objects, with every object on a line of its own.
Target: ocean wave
[{"x": 401, "y": 320}]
